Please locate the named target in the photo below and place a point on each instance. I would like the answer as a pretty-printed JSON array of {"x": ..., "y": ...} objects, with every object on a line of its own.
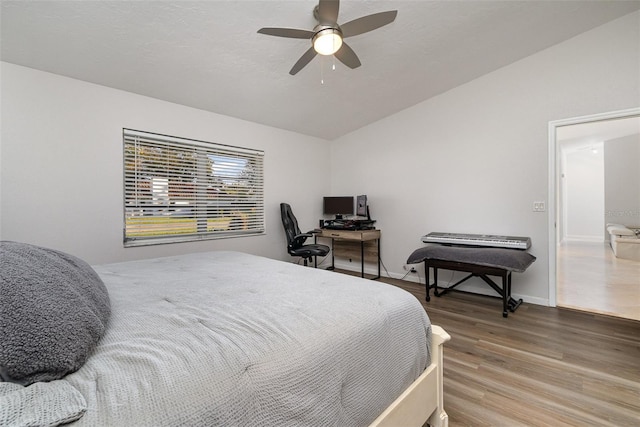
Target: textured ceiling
[{"x": 208, "y": 55}]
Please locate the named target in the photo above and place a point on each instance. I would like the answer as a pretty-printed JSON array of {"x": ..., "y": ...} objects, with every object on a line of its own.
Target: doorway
[{"x": 588, "y": 188}]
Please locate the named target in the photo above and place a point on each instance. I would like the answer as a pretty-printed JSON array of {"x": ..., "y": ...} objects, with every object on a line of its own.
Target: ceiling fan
[{"x": 327, "y": 37}]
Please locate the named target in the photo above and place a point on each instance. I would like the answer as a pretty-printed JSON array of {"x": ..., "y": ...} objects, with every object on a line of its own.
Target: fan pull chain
[{"x": 322, "y": 62}]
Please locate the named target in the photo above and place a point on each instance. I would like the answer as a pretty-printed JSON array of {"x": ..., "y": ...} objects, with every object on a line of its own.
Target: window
[{"x": 178, "y": 190}]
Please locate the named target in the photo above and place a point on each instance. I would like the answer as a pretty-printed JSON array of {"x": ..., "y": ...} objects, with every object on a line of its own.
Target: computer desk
[{"x": 353, "y": 236}]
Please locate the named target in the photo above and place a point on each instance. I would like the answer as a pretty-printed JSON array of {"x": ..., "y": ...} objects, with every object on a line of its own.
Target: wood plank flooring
[
  {"x": 591, "y": 278},
  {"x": 541, "y": 366}
]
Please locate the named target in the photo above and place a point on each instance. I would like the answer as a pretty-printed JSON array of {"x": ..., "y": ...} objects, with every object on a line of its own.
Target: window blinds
[{"x": 177, "y": 189}]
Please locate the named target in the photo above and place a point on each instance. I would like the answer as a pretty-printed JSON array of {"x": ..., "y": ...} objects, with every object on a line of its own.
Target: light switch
[{"x": 539, "y": 206}]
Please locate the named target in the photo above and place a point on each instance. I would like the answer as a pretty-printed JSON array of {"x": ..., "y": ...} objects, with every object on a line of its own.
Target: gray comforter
[{"x": 232, "y": 339}]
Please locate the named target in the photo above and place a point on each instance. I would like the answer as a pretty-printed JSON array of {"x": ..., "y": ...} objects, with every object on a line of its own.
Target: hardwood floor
[
  {"x": 591, "y": 278},
  {"x": 541, "y": 366}
]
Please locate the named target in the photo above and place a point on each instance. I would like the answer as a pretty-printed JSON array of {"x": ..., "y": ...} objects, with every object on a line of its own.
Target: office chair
[{"x": 296, "y": 239}]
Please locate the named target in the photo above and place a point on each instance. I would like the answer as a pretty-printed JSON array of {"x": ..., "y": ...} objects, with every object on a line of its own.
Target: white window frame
[{"x": 181, "y": 190}]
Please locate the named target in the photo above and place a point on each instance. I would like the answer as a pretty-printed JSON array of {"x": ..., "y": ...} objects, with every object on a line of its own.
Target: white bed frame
[{"x": 423, "y": 401}]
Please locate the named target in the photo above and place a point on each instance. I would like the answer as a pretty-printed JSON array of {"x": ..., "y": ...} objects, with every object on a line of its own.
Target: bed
[
  {"x": 227, "y": 338},
  {"x": 624, "y": 241}
]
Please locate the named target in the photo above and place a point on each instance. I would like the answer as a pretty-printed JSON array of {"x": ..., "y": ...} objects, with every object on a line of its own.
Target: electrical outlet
[{"x": 539, "y": 206}]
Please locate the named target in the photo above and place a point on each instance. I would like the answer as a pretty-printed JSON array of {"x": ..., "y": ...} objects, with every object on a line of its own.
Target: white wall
[
  {"x": 61, "y": 166},
  {"x": 622, "y": 180},
  {"x": 474, "y": 159},
  {"x": 584, "y": 193}
]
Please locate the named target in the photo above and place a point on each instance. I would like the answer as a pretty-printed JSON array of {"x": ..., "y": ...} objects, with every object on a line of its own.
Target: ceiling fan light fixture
[
  {"x": 327, "y": 41},
  {"x": 326, "y": 37}
]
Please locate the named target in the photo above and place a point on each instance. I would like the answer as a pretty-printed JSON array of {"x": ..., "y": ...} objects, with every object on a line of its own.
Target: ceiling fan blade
[
  {"x": 328, "y": 11},
  {"x": 368, "y": 23},
  {"x": 347, "y": 56},
  {"x": 291, "y": 33},
  {"x": 304, "y": 60}
]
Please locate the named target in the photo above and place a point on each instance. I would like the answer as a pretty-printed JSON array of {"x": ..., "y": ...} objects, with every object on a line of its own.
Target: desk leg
[
  {"x": 378, "y": 259},
  {"x": 362, "y": 258},
  {"x": 315, "y": 258},
  {"x": 333, "y": 260}
]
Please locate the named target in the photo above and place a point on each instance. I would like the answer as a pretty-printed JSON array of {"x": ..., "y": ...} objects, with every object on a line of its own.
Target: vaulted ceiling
[{"x": 208, "y": 54}]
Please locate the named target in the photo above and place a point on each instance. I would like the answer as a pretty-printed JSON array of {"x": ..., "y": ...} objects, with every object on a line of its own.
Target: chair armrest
[{"x": 299, "y": 239}]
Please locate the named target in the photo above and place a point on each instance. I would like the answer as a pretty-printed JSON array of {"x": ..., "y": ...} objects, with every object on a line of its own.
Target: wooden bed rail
[{"x": 423, "y": 400}]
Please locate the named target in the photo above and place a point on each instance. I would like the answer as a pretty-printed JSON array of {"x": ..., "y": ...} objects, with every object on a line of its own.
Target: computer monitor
[
  {"x": 361, "y": 205},
  {"x": 338, "y": 206}
]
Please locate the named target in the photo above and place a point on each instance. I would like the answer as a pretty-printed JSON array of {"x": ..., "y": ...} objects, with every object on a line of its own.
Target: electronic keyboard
[{"x": 488, "y": 240}]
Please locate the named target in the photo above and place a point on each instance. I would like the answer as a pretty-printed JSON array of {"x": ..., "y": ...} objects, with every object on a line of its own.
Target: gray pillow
[{"x": 54, "y": 309}]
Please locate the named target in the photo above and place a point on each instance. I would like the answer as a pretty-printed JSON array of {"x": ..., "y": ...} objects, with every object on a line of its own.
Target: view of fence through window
[{"x": 177, "y": 189}]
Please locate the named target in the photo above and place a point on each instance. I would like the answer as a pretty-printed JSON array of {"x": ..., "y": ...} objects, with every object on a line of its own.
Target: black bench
[{"x": 478, "y": 262}]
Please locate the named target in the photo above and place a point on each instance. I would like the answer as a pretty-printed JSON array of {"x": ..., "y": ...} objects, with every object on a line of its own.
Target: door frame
[{"x": 553, "y": 184}]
